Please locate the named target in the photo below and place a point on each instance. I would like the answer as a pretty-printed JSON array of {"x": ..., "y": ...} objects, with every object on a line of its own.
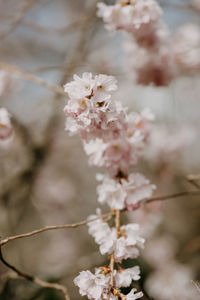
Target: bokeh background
[{"x": 45, "y": 178}]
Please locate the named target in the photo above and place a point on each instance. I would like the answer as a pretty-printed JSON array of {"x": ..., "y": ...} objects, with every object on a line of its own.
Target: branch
[
  {"x": 104, "y": 216},
  {"x": 32, "y": 78},
  {"x": 48, "y": 228},
  {"x": 196, "y": 284},
  {"x": 172, "y": 196},
  {"x": 35, "y": 279},
  {"x": 62, "y": 30},
  {"x": 193, "y": 180}
]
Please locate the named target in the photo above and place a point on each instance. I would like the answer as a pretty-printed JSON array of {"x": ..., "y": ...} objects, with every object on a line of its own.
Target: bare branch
[
  {"x": 104, "y": 216},
  {"x": 48, "y": 228},
  {"x": 35, "y": 279},
  {"x": 32, "y": 78},
  {"x": 172, "y": 196}
]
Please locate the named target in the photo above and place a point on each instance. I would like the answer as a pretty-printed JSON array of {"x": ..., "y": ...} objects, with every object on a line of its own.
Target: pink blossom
[
  {"x": 153, "y": 65},
  {"x": 186, "y": 47},
  {"x": 129, "y": 15}
]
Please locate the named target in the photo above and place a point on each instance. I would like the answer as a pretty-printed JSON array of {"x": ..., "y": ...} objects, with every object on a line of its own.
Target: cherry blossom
[
  {"x": 127, "y": 192},
  {"x": 124, "y": 277},
  {"x": 92, "y": 285},
  {"x": 133, "y": 296},
  {"x": 124, "y": 243},
  {"x": 186, "y": 47},
  {"x": 97, "y": 286},
  {"x": 150, "y": 65},
  {"x": 129, "y": 15},
  {"x": 113, "y": 139}
]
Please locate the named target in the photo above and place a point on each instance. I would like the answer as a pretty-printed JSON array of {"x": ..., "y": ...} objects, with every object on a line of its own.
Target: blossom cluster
[
  {"x": 96, "y": 286},
  {"x": 113, "y": 139},
  {"x": 123, "y": 243},
  {"x": 154, "y": 55},
  {"x": 128, "y": 193},
  {"x": 132, "y": 16}
]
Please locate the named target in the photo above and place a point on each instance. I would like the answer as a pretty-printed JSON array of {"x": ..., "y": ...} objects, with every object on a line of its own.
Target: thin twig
[
  {"x": 112, "y": 257},
  {"x": 117, "y": 220},
  {"x": 112, "y": 261},
  {"x": 32, "y": 78},
  {"x": 47, "y": 228},
  {"x": 35, "y": 279},
  {"x": 172, "y": 196}
]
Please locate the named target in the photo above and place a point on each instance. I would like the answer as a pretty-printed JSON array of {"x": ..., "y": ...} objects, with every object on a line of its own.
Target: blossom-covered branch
[{"x": 113, "y": 139}]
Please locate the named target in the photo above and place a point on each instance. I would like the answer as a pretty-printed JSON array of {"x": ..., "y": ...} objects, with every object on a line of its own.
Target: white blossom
[
  {"x": 91, "y": 285},
  {"x": 133, "y": 296},
  {"x": 124, "y": 277},
  {"x": 125, "y": 243},
  {"x": 129, "y": 15},
  {"x": 124, "y": 192},
  {"x": 186, "y": 47}
]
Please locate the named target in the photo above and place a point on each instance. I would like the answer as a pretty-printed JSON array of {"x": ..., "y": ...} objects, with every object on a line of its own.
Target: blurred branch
[
  {"x": 35, "y": 279},
  {"x": 193, "y": 180},
  {"x": 17, "y": 18},
  {"x": 32, "y": 78},
  {"x": 196, "y": 284},
  {"x": 52, "y": 30}
]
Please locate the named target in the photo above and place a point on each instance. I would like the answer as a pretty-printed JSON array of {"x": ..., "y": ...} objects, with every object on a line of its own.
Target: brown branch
[
  {"x": 104, "y": 216},
  {"x": 32, "y": 78},
  {"x": 48, "y": 228},
  {"x": 172, "y": 196},
  {"x": 35, "y": 279}
]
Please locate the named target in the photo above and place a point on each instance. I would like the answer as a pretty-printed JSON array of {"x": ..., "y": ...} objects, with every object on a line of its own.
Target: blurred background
[{"x": 45, "y": 178}]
